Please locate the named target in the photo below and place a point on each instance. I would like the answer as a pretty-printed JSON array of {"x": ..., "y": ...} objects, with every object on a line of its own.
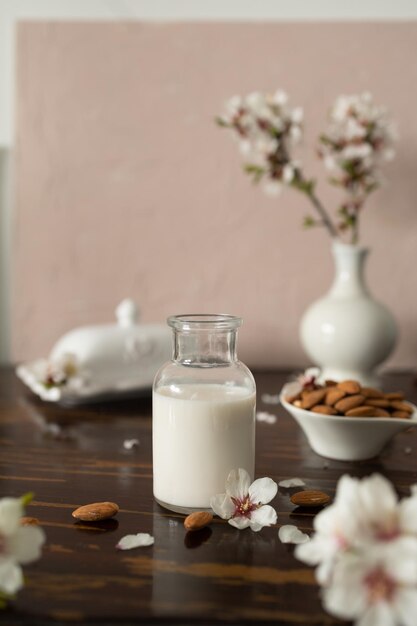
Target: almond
[
  {"x": 346, "y": 404},
  {"x": 292, "y": 399},
  {"x": 361, "y": 411},
  {"x": 312, "y": 398},
  {"x": 334, "y": 395},
  {"x": 378, "y": 411},
  {"x": 381, "y": 402},
  {"x": 350, "y": 386},
  {"x": 298, "y": 404},
  {"x": 310, "y": 498},
  {"x": 198, "y": 520},
  {"x": 96, "y": 511},
  {"x": 394, "y": 395},
  {"x": 29, "y": 521},
  {"x": 401, "y": 414},
  {"x": 370, "y": 392},
  {"x": 401, "y": 406},
  {"x": 325, "y": 410}
]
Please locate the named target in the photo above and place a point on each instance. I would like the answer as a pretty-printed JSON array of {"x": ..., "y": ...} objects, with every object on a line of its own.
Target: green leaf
[
  {"x": 309, "y": 222},
  {"x": 255, "y": 171},
  {"x": 220, "y": 122},
  {"x": 27, "y": 498}
]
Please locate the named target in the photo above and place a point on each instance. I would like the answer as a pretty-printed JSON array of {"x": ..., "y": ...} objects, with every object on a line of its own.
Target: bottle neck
[
  {"x": 349, "y": 270},
  {"x": 205, "y": 348}
]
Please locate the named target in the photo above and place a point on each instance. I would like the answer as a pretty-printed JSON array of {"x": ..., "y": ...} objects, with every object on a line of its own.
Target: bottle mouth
[{"x": 204, "y": 321}]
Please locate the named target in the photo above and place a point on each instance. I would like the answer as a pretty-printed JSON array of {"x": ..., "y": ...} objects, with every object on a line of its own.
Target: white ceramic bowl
[{"x": 345, "y": 438}]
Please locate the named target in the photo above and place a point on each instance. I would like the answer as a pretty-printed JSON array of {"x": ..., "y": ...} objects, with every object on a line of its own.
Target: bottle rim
[{"x": 204, "y": 321}]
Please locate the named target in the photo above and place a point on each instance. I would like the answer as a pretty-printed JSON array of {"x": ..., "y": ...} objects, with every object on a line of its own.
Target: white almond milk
[{"x": 200, "y": 433}]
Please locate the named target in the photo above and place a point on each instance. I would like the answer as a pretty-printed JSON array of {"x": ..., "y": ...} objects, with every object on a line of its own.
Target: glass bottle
[{"x": 203, "y": 413}]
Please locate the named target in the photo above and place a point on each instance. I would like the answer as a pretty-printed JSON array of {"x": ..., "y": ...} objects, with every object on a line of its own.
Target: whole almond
[
  {"x": 29, "y": 521},
  {"x": 401, "y": 414},
  {"x": 310, "y": 498},
  {"x": 381, "y": 402},
  {"x": 96, "y": 511},
  {"x": 325, "y": 410},
  {"x": 334, "y": 395},
  {"x": 378, "y": 412},
  {"x": 312, "y": 398},
  {"x": 394, "y": 395},
  {"x": 292, "y": 399},
  {"x": 350, "y": 402},
  {"x": 350, "y": 386},
  {"x": 198, "y": 520},
  {"x": 370, "y": 392},
  {"x": 401, "y": 406},
  {"x": 361, "y": 411}
]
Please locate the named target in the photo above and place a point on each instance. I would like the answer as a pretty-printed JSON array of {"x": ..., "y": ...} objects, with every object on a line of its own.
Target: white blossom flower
[
  {"x": 308, "y": 377},
  {"x": 18, "y": 545},
  {"x": 61, "y": 369},
  {"x": 246, "y": 505},
  {"x": 128, "y": 542},
  {"x": 291, "y": 534},
  {"x": 288, "y": 173},
  {"x": 359, "y": 138},
  {"x": 364, "y": 512},
  {"x": 272, "y": 187},
  {"x": 265, "y": 126},
  {"x": 377, "y": 586}
]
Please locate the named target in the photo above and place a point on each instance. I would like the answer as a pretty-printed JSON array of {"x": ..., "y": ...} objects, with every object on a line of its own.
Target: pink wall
[{"x": 124, "y": 186}]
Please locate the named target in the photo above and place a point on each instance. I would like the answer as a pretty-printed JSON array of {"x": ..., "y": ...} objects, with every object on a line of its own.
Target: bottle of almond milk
[{"x": 203, "y": 413}]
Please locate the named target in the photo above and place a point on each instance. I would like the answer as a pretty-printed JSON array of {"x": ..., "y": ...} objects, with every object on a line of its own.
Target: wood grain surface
[{"x": 220, "y": 575}]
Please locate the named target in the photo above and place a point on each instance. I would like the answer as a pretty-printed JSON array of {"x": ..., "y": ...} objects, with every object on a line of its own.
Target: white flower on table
[
  {"x": 377, "y": 586},
  {"x": 365, "y": 546},
  {"x": 244, "y": 504},
  {"x": 18, "y": 545}
]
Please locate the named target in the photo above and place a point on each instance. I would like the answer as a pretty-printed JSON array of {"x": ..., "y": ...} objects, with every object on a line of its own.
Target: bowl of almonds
[{"x": 345, "y": 421}]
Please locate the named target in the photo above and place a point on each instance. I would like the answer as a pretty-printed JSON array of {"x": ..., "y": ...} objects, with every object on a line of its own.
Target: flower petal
[
  {"x": 11, "y": 510},
  {"x": 135, "y": 541},
  {"x": 406, "y": 606},
  {"x": 11, "y": 579},
  {"x": 264, "y": 516},
  {"x": 26, "y": 544},
  {"x": 291, "y": 534},
  {"x": 407, "y": 511},
  {"x": 222, "y": 505},
  {"x": 263, "y": 490},
  {"x": 378, "y": 615},
  {"x": 237, "y": 483},
  {"x": 239, "y": 522},
  {"x": 291, "y": 482}
]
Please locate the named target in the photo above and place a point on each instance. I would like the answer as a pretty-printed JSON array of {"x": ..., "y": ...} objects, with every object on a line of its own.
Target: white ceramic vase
[{"x": 347, "y": 333}]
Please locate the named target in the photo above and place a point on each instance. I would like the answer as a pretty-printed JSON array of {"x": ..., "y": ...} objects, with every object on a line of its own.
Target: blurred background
[{"x": 115, "y": 181}]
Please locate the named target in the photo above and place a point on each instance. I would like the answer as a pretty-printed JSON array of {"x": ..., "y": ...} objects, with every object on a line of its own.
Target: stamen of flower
[
  {"x": 243, "y": 508},
  {"x": 380, "y": 586}
]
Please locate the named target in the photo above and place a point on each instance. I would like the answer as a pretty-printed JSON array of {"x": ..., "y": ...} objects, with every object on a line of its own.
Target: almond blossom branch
[{"x": 358, "y": 140}]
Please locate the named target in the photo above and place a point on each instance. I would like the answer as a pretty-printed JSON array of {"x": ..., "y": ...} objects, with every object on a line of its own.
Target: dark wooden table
[{"x": 70, "y": 457}]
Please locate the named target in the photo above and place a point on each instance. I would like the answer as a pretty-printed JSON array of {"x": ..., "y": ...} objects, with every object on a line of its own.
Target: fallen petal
[
  {"x": 129, "y": 444},
  {"x": 291, "y": 482},
  {"x": 135, "y": 541},
  {"x": 264, "y": 416},
  {"x": 268, "y": 398},
  {"x": 291, "y": 534}
]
